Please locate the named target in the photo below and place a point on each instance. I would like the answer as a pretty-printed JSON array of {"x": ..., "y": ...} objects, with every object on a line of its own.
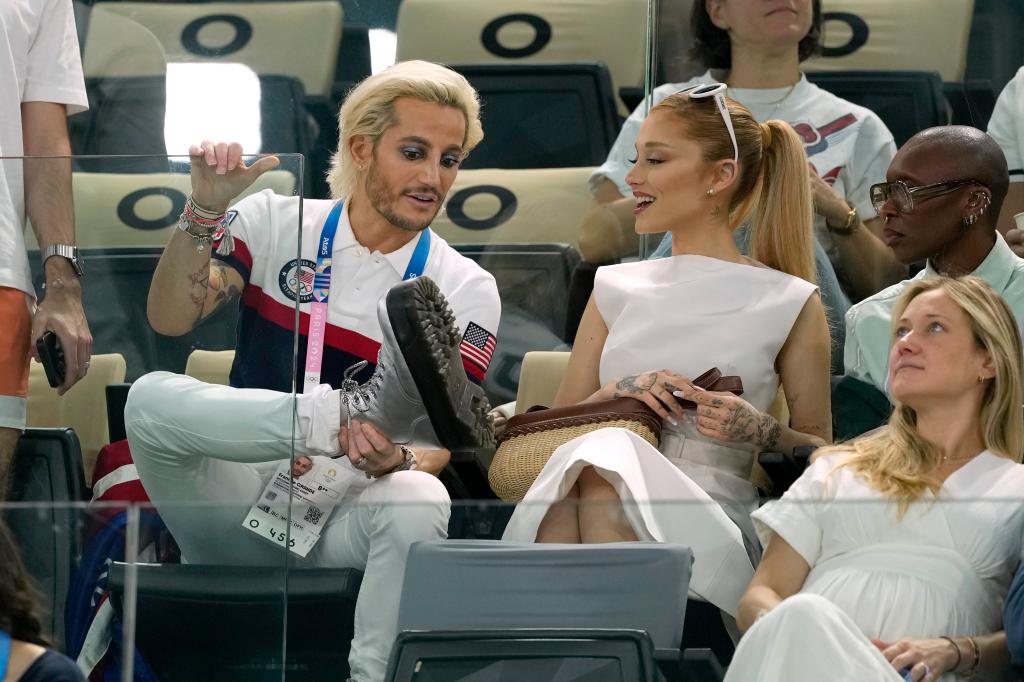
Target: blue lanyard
[
  {"x": 322, "y": 278},
  {"x": 5, "y": 652}
]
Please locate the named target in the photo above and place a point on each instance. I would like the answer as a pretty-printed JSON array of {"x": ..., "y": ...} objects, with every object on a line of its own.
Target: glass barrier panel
[
  {"x": 555, "y": 83},
  {"x": 166, "y": 312}
]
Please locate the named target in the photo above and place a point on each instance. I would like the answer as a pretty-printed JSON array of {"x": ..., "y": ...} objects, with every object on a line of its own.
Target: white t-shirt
[
  {"x": 39, "y": 62},
  {"x": 265, "y": 255},
  {"x": 848, "y": 145},
  {"x": 1007, "y": 125}
]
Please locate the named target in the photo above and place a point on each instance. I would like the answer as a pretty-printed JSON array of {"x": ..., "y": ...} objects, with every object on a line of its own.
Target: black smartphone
[{"x": 51, "y": 356}]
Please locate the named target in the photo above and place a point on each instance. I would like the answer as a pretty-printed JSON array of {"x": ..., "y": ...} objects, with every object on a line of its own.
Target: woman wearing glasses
[
  {"x": 703, "y": 166},
  {"x": 890, "y": 557},
  {"x": 941, "y": 204},
  {"x": 756, "y": 47}
]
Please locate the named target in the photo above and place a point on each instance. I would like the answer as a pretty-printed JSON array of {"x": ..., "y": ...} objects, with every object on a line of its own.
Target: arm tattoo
[
  {"x": 768, "y": 431},
  {"x": 217, "y": 281},
  {"x": 198, "y": 282}
]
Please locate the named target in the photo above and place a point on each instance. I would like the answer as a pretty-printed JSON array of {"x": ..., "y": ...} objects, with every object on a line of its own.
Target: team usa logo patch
[
  {"x": 477, "y": 345},
  {"x": 296, "y": 278}
]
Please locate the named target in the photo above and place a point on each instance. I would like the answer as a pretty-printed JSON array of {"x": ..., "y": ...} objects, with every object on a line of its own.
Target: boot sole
[{"x": 425, "y": 331}]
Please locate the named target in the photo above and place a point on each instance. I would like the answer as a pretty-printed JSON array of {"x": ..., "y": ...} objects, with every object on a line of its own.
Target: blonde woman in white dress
[
  {"x": 890, "y": 557},
  {"x": 651, "y": 326}
]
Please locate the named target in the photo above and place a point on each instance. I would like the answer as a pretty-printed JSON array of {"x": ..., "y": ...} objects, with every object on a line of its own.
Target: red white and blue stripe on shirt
[{"x": 264, "y": 340}]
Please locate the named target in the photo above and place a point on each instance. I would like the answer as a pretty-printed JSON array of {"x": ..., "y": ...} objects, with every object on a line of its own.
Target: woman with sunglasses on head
[
  {"x": 755, "y": 47},
  {"x": 940, "y": 204},
  {"x": 703, "y": 166},
  {"x": 24, "y": 652},
  {"x": 890, "y": 557}
]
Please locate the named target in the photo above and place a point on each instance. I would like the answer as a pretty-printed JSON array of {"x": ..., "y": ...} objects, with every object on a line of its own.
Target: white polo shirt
[
  {"x": 39, "y": 62},
  {"x": 1007, "y": 125},
  {"x": 847, "y": 144},
  {"x": 265, "y": 254}
]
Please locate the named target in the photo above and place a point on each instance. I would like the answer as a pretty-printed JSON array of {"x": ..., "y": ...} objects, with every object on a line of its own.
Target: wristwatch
[
  {"x": 409, "y": 463},
  {"x": 846, "y": 229},
  {"x": 68, "y": 252}
]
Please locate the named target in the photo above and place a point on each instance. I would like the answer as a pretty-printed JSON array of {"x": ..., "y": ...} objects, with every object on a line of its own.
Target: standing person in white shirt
[
  {"x": 756, "y": 49},
  {"x": 943, "y": 192},
  {"x": 41, "y": 83},
  {"x": 1007, "y": 128}
]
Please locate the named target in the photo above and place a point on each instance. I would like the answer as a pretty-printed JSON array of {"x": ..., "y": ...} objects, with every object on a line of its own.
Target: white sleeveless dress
[{"x": 685, "y": 314}]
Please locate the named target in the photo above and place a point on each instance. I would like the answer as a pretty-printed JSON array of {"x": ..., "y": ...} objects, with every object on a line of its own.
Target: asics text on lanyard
[{"x": 322, "y": 290}]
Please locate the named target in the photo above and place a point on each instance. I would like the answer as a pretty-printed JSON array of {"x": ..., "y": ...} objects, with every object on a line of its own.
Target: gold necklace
[
  {"x": 947, "y": 458},
  {"x": 778, "y": 102}
]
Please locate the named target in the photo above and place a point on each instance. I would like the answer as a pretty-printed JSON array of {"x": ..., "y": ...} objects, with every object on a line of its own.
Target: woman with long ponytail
[{"x": 703, "y": 167}]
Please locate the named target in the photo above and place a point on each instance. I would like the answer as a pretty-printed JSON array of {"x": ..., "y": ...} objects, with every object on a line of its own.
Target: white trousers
[
  {"x": 807, "y": 638},
  {"x": 204, "y": 454}
]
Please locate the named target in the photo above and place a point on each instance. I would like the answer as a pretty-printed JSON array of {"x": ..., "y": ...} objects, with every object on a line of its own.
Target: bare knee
[{"x": 592, "y": 483}]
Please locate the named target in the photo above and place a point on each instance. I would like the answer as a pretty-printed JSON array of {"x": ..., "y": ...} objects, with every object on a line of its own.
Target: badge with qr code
[{"x": 316, "y": 488}]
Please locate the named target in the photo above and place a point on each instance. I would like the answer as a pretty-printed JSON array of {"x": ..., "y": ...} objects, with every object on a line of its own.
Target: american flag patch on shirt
[{"x": 477, "y": 345}]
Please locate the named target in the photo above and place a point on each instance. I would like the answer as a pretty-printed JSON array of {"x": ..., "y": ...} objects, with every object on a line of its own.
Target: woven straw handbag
[{"x": 531, "y": 438}]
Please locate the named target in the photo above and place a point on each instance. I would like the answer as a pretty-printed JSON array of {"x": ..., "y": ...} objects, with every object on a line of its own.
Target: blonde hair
[
  {"x": 369, "y": 109},
  {"x": 897, "y": 460},
  {"x": 772, "y": 182}
]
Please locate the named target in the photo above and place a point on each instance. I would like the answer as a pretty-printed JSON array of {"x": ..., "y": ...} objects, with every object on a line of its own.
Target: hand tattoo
[
  {"x": 633, "y": 384},
  {"x": 740, "y": 424}
]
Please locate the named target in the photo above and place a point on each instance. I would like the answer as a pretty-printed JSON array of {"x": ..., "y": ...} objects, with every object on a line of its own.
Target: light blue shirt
[{"x": 868, "y": 334}]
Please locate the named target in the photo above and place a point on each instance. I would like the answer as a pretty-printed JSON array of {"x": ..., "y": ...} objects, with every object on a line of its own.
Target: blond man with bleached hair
[
  {"x": 378, "y": 270},
  {"x": 369, "y": 110}
]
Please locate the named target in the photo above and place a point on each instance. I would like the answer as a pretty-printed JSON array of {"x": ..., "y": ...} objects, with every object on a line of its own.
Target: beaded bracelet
[{"x": 203, "y": 226}]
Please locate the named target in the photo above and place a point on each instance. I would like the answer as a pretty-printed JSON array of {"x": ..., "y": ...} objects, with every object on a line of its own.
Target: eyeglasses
[
  {"x": 717, "y": 91},
  {"x": 903, "y": 196}
]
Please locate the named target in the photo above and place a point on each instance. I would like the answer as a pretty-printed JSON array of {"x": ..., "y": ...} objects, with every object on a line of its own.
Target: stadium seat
[
  {"x": 114, "y": 210},
  {"x": 542, "y": 115},
  {"x": 995, "y": 50},
  {"x": 515, "y": 206},
  {"x": 116, "y": 46},
  {"x": 126, "y": 116},
  {"x": 262, "y": 35},
  {"x": 523, "y": 591},
  {"x": 47, "y": 477},
  {"x": 906, "y": 101},
  {"x": 540, "y": 378},
  {"x": 531, "y": 277},
  {"x": 971, "y": 102},
  {"x": 911, "y": 35},
  {"x": 83, "y": 408},
  {"x": 211, "y": 366},
  {"x": 243, "y": 615},
  {"x": 528, "y": 31}
]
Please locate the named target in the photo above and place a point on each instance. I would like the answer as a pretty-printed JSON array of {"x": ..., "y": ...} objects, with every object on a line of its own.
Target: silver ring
[
  {"x": 87, "y": 364},
  {"x": 359, "y": 463}
]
